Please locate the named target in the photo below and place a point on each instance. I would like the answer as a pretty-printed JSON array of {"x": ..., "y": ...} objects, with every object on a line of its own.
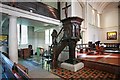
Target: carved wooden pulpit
[
  {"x": 71, "y": 34},
  {"x": 72, "y": 29}
]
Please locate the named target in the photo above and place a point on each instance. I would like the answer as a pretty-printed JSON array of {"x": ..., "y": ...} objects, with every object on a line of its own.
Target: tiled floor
[
  {"x": 84, "y": 74},
  {"x": 38, "y": 67}
]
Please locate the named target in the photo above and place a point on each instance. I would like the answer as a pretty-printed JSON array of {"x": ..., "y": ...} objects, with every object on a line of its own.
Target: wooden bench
[
  {"x": 12, "y": 70},
  {"x": 22, "y": 67}
]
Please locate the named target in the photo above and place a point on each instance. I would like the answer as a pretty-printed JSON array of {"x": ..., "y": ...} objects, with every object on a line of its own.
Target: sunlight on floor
[{"x": 37, "y": 67}]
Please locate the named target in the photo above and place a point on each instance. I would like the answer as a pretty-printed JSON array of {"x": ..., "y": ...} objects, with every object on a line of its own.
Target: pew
[
  {"x": 107, "y": 47},
  {"x": 12, "y": 70}
]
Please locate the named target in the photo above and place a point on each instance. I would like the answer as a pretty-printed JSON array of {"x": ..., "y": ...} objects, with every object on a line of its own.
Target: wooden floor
[{"x": 107, "y": 58}]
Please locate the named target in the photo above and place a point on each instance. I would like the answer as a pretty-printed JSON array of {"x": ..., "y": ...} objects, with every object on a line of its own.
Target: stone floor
[{"x": 38, "y": 67}]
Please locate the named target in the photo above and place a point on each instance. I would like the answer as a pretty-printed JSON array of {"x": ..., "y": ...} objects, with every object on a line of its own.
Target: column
[{"x": 13, "y": 42}]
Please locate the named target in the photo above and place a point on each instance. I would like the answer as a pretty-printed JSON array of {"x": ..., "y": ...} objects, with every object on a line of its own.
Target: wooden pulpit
[{"x": 71, "y": 34}]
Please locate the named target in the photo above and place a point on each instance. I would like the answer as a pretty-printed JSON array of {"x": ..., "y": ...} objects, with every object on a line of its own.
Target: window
[
  {"x": 98, "y": 17},
  {"x": 51, "y": 30},
  {"x": 48, "y": 37},
  {"x": 93, "y": 15},
  {"x": 22, "y": 34},
  {"x": 18, "y": 33}
]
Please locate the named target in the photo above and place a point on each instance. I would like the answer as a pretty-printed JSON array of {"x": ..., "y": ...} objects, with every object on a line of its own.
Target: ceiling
[
  {"x": 100, "y": 5},
  {"x": 38, "y": 26},
  {"x": 41, "y": 26}
]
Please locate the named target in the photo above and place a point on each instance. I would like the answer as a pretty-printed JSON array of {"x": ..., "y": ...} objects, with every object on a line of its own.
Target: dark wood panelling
[{"x": 36, "y": 7}]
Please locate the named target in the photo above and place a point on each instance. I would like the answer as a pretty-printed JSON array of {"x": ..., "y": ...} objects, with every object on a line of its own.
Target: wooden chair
[
  {"x": 26, "y": 53},
  {"x": 100, "y": 49}
]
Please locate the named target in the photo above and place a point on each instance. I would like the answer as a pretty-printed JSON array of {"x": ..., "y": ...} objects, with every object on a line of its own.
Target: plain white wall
[
  {"x": 39, "y": 39},
  {"x": 76, "y": 9},
  {"x": 93, "y": 31},
  {"x": 109, "y": 22}
]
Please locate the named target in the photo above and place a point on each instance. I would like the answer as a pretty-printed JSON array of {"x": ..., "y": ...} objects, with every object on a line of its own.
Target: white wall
[
  {"x": 36, "y": 39},
  {"x": 63, "y": 10},
  {"x": 89, "y": 15},
  {"x": 104, "y": 34},
  {"x": 39, "y": 39},
  {"x": 109, "y": 22},
  {"x": 93, "y": 31},
  {"x": 30, "y": 38},
  {"x": 76, "y": 9},
  {"x": 110, "y": 16}
]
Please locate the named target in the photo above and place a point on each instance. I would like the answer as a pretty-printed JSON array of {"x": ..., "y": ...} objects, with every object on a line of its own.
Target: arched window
[
  {"x": 22, "y": 32},
  {"x": 48, "y": 37},
  {"x": 93, "y": 16},
  {"x": 98, "y": 19}
]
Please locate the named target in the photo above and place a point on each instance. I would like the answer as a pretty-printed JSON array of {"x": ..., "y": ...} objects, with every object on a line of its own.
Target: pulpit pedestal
[
  {"x": 71, "y": 34},
  {"x": 72, "y": 67}
]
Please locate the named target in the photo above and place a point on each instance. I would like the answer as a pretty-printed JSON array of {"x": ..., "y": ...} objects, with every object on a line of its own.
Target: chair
[
  {"x": 31, "y": 50},
  {"x": 26, "y": 53},
  {"x": 100, "y": 49}
]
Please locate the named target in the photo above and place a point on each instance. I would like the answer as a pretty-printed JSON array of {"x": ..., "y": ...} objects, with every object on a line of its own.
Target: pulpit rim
[{"x": 72, "y": 19}]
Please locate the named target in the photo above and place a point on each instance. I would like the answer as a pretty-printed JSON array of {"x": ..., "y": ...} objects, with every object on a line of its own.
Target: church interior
[{"x": 60, "y": 39}]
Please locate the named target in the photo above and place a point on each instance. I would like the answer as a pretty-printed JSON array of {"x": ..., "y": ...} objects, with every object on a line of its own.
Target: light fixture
[
  {"x": 31, "y": 10},
  {"x": 46, "y": 24},
  {"x": 93, "y": 11}
]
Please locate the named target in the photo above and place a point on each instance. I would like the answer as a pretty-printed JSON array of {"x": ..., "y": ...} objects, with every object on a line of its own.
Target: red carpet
[{"x": 84, "y": 73}]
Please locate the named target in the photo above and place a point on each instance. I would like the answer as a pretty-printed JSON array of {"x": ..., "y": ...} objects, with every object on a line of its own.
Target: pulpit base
[{"x": 72, "y": 67}]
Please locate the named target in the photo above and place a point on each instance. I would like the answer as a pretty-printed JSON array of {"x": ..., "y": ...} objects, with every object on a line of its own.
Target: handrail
[
  {"x": 16, "y": 72},
  {"x": 57, "y": 36},
  {"x": 57, "y": 43},
  {"x": 24, "y": 73},
  {"x": 60, "y": 31},
  {"x": 61, "y": 39}
]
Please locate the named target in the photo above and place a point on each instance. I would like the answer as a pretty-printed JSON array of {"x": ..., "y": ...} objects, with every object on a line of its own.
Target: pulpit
[
  {"x": 71, "y": 34},
  {"x": 72, "y": 29}
]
